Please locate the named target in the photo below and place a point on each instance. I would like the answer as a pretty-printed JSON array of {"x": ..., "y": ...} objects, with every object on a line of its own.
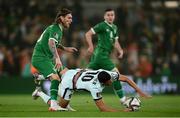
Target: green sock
[
  {"x": 118, "y": 88},
  {"x": 54, "y": 89}
]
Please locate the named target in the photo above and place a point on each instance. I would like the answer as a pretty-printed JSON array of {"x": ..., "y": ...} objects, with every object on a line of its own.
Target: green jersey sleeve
[{"x": 98, "y": 28}]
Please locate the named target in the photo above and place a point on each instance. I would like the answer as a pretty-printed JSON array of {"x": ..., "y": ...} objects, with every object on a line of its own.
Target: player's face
[
  {"x": 67, "y": 20},
  {"x": 109, "y": 16},
  {"x": 108, "y": 83}
]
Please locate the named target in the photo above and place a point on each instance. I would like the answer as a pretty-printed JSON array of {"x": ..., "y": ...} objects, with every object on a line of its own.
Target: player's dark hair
[
  {"x": 108, "y": 9},
  {"x": 62, "y": 12},
  {"x": 103, "y": 76}
]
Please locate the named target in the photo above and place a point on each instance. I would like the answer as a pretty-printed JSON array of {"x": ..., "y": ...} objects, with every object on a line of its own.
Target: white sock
[
  {"x": 123, "y": 99},
  {"x": 44, "y": 96}
]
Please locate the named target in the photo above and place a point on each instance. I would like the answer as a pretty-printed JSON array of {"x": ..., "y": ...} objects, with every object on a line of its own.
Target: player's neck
[
  {"x": 110, "y": 24},
  {"x": 60, "y": 26}
]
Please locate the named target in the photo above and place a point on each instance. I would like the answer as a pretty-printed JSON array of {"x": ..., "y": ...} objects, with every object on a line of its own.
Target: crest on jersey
[
  {"x": 115, "y": 31},
  {"x": 95, "y": 81},
  {"x": 56, "y": 35},
  {"x": 107, "y": 30}
]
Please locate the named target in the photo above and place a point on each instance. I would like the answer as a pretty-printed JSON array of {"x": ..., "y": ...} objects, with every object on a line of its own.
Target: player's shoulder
[
  {"x": 96, "y": 86},
  {"x": 101, "y": 23},
  {"x": 114, "y": 26},
  {"x": 73, "y": 70},
  {"x": 53, "y": 27}
]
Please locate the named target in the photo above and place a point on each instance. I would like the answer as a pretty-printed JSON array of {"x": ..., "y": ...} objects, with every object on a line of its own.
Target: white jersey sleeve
[{"x": 96, "y": 90}]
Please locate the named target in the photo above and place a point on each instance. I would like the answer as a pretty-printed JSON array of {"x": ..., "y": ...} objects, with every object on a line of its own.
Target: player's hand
[
  {"x": 120, "y": 52},
  {"x": 71, "y": 49},
  {"x": 90, "y": 50},
  {"x": 127, "y": 110},
  {"x": 58, "y": 63},
  {"x": 144, "y": 95}
]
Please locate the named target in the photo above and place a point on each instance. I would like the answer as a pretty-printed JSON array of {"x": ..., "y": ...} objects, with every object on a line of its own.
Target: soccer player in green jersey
[
  {"x": 107, "y": 33},
  {"x": 45, "y": 56}
]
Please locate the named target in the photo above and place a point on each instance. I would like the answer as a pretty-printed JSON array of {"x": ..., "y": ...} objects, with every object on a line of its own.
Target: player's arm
[
  {"x": 118, "y": 48},
  {"x": 88, "y": 37},
  {"x": 96, "y": 94},
  {"x": 102, "y": 107},
  {"x": 133, "y": 85},
  {"x": 67, "y": 49},
  {"x": 98, "y": 28},
  {"x": 53, "y": 49}
]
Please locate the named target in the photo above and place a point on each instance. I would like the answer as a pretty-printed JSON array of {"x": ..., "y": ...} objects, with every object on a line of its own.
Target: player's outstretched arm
[
  {"x": 67, "y": 49},
  {"x": 102, "y": 107},
  {"x": 133, "y": 85}
]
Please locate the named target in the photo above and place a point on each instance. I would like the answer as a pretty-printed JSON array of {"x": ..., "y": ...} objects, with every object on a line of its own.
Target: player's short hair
[
  {"x": 62, "y": 12},
  {"x": 103, "y": 76},
  {"x": 108, "y": 9}
]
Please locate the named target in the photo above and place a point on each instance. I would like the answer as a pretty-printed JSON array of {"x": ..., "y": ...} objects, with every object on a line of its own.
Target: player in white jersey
[
  {"x": 93, "y": 81},
  {"x": 89, "y": 80}
]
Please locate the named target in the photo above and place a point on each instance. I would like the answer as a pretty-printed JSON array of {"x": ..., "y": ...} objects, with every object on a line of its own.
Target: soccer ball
[{"x": 133, "y": 103}]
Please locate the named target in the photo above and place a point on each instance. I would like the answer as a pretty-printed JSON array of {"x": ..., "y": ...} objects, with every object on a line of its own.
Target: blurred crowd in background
[{"x": 150, "y": 37}]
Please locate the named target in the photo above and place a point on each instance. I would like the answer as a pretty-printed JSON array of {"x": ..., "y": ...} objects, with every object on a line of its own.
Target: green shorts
[
  {"x": 44, "y": 65},
  {"x": 101, "y": 60}
]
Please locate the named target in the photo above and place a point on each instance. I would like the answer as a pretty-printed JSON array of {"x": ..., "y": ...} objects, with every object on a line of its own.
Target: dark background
[{"x": 149, "y": 32}]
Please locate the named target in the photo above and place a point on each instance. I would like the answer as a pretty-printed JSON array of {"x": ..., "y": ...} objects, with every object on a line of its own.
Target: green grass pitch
[{"x": 24, "y": 106}]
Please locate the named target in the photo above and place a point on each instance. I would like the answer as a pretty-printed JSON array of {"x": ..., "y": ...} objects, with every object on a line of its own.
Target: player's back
[
  {"x": 85, "y": 80},
  {"x": 89, "y": 80},
  {"x": 81, "y": 79}
]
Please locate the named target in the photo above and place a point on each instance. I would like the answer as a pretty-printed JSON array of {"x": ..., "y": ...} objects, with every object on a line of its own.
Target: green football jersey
[
  {"x": 42, "y": 48},
  {"x": 107, "y": 34}
]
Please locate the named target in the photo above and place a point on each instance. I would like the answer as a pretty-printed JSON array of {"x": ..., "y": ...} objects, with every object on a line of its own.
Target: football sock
[
  {"x": 44, "y": 96},
  {"x": 118, "y": 89},
  {"x": 54, "y": 89}
]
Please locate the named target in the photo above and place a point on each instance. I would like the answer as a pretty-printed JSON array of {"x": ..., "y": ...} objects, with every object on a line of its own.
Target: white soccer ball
[{"x": 133, "y": 103}]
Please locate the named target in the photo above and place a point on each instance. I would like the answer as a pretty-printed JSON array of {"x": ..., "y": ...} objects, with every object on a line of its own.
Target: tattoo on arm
[
  {"x": 117, "y": 45},
  {"x": 52, "y": 47}
]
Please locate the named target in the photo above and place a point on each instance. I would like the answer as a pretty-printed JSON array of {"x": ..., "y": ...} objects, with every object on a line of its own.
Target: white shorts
[
  {"x": 66, "y": 86},
  {"x": 66, "y": 93}
]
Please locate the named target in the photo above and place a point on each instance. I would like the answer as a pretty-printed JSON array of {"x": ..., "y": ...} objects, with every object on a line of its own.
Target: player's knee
[{"x": 55, "y": 77}]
